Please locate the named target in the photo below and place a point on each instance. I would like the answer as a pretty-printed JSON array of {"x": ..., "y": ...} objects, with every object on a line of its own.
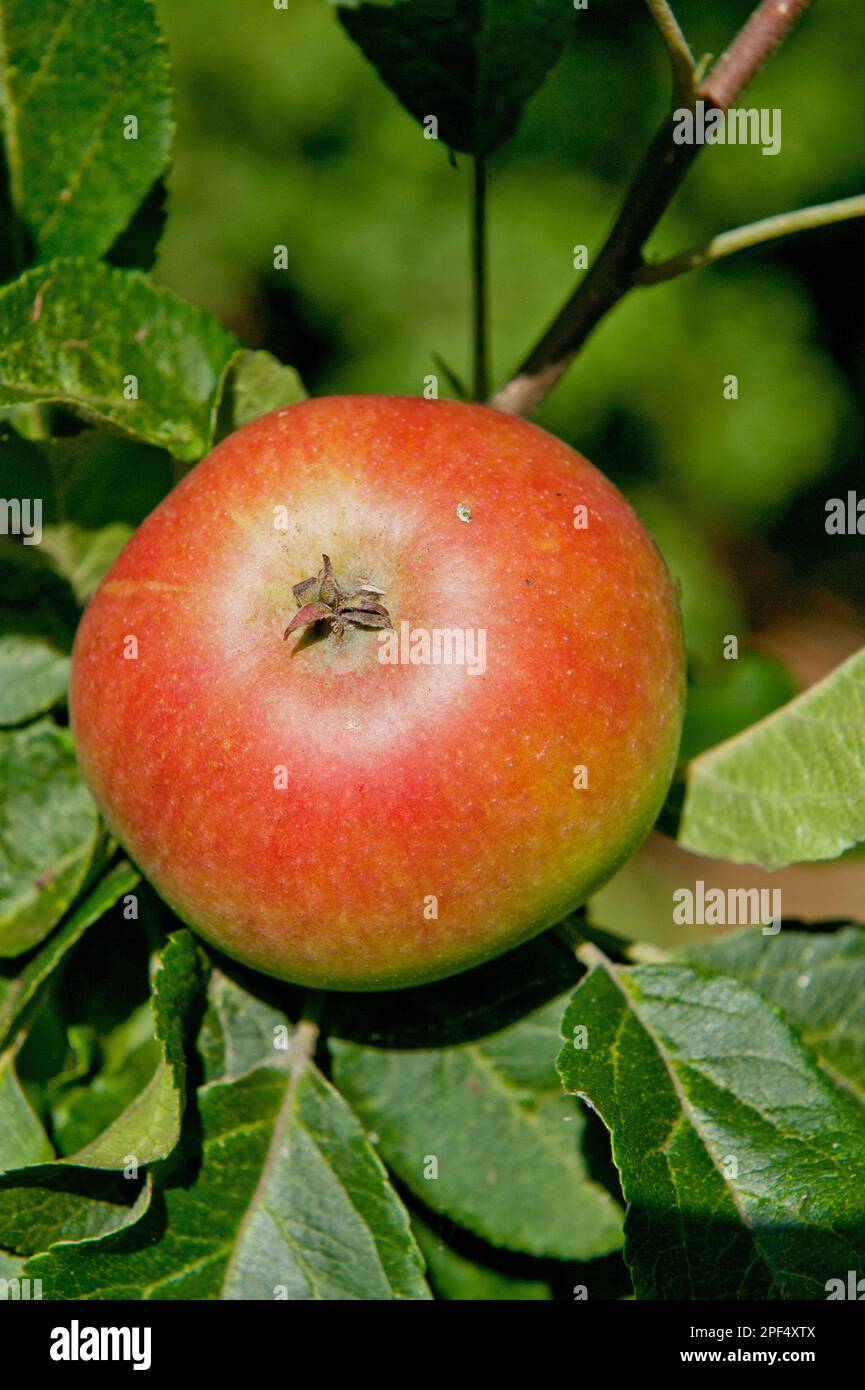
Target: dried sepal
[
  {"x": 306, "y": 591},
  {"x": 328, "y": 590},
  {"x": 360, "y": 618},
  {"x": 364, "y": 605},
  {"x": 310, "y": 613},
  {"x": 321, "y": 598}
]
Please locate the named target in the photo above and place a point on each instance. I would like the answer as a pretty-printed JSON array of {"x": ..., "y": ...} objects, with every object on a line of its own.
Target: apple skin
[{"x": 426, "y": 819}]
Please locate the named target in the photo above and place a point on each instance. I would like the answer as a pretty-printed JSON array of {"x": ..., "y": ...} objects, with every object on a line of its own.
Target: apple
[{"x": 383, "y": 688}]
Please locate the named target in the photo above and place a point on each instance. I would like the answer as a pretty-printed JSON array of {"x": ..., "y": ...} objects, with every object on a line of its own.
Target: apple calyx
[{"x": 323, "y": 599}]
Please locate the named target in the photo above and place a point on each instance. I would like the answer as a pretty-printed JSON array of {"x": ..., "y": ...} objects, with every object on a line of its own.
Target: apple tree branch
[{"x": 619, "y": 264}]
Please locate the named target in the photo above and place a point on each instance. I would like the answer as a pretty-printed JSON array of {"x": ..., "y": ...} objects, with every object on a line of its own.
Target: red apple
[{"x": 339, "y": 807}]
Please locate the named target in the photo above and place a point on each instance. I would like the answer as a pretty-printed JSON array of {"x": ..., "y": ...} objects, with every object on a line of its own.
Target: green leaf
[
  {"x": 739, "y": 1159},
  {"x": 454, "y": 1277},
  {"x": 325, "y": 1222},
  {"x": 45, "y": 1204},
  {"x": 22, "y": 1138},
  {"x": 787, "y": 790},
  {"x": 33, "y": 677},
  {"x": 256, "y": 383},
  {"x": 83, "y": 558},
  {"x": 149, "y": 1128},
  {"x": 73, "y": 75},
  {"x": 16, "y": 992},
  {"x": 89, "y": 336},
  {"x": 239, "y": 1032},
  {"x": 480, "y": 1133},
  {"x": 48, "y": 833},
  {"x": 817, "y": 981},
  {"x": 473, "y": 64},
  {"x": 297, "y": 1206}
]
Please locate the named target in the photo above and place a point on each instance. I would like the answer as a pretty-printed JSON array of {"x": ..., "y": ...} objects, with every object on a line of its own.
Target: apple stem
[
  {"x": 586, "y": 952},
  {"x": 304, "y": 1040}
]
